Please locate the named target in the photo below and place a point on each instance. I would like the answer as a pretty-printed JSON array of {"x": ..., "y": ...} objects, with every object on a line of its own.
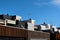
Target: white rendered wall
[
  {"x": 55, "y": 29},
  {"x": 18, "y": 18},
  {"x": 43, "y": 27},
  {"x": 33, "y": 21},
  {"x": 59, "y": 30},
  {"x": 11, "y": 21},
  {"x": 30, "y": 26}
]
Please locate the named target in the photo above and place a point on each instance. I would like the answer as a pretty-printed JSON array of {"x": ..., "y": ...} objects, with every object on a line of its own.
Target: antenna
[
  {"x": 16, "y": 12},
  {"x": 51, "y": 23},
  {"x": 29, "y": 15},
  {"x": 44, "y": 20}
]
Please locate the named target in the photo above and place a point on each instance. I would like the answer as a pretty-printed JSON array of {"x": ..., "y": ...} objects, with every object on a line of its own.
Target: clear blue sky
[{"x": 39, "y": 10}]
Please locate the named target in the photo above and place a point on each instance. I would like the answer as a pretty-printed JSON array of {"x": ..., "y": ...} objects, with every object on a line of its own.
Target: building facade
[{"x": 13, "y": 28}]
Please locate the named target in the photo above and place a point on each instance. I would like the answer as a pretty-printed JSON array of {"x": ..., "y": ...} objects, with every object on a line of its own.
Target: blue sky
[{"x": 40, "y": 10}]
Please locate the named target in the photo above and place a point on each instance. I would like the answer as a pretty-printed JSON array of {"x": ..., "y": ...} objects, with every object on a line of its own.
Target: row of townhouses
[{"x": 13, "y": 28}]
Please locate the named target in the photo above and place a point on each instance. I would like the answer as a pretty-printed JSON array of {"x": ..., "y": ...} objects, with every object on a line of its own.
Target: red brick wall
[
  {"x": 16, "y": 32},
  {"x": 57, "y": 36}
]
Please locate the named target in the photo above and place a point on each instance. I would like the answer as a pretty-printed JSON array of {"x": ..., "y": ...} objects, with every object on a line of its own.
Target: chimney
[{"x": 32, "y": 21}]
